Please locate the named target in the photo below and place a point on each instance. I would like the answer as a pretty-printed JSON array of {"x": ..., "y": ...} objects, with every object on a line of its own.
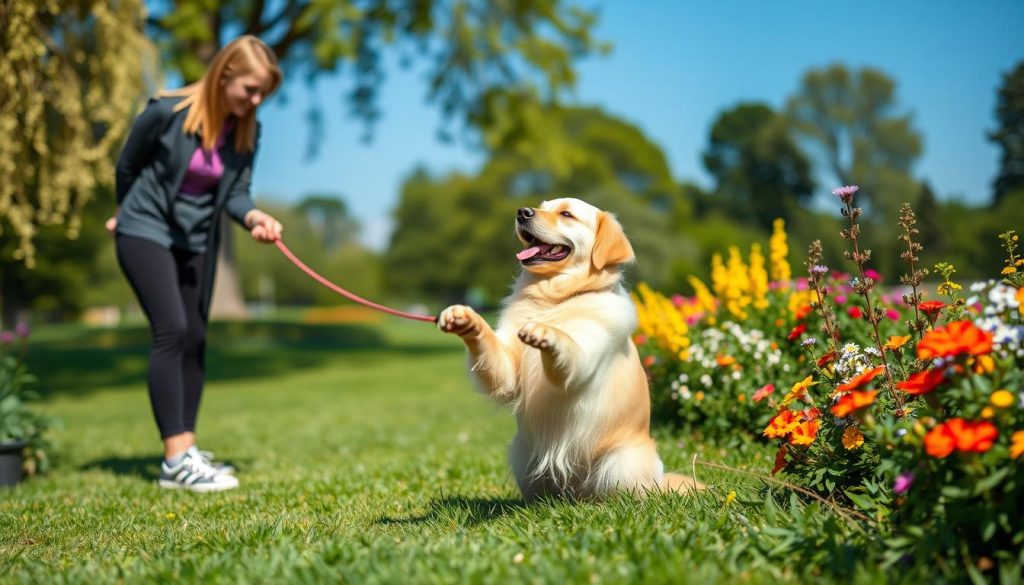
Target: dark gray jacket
[{"x": 150, "y": 172}]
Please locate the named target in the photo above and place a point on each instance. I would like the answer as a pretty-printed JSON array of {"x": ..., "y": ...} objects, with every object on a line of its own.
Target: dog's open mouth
[{"x": 537, "y": 251}]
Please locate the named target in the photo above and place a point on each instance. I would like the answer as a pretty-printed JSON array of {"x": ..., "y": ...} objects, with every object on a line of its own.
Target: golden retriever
[{"x": 562, "y": 357}]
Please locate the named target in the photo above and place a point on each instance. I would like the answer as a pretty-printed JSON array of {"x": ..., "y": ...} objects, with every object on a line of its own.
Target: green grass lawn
[{"x": 364, "y": 456}]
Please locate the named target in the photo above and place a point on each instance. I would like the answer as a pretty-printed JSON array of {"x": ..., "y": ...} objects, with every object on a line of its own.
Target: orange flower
[
  {"x": 1020, "y": 296},
  {"x": 854, "y": 401},
  {"x": 725, "y": 360},
  {"x": 783, "y": 424},
  {"x": 827, "y": 358},
  {"x": 805, "y": 433},
  {"x": 959, "y": 337},
  {"x": 802, "y": 312},
  {"x": 932, "y": 307},
  {"x": 796, "y": 332},
  {"x": 960, "y": 435},
  {"x": 922, "y": 382},
  {"x": 852, "y": 438},
  {"x": 799, "y": 390},
  {"x": 1017, "y": 443},
  {"x": 939, "y": 442},
  {"x": 860, "y": 380},
  {"x": 896, "y": 341}
]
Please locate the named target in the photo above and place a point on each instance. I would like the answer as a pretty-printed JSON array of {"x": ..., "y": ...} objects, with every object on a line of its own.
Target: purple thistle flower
[
  {"x": 808, "y": 341},
  {"x": 845, "y": 194},
  {"x": 903, "y": 482},
  {"x": 22, "y": 329}
]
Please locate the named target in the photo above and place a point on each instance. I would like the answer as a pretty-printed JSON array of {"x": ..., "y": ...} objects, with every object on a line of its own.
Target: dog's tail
[{"x": 675, "y": 482}]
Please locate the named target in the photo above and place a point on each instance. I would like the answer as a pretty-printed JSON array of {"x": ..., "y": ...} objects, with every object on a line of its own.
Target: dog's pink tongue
[{"x": 528, "y": 253}]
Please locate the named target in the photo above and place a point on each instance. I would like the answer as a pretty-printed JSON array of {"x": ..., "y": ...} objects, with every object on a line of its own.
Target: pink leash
[{"x": 352, "y": 297}]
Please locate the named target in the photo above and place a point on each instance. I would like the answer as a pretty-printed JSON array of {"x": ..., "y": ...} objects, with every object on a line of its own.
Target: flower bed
[{"x": 909, "y": 409}]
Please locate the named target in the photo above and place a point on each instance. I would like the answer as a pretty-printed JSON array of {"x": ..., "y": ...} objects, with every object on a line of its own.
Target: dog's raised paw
[
  {"x": 538, "y": 335},
  {"x": 459, "y": 319}
]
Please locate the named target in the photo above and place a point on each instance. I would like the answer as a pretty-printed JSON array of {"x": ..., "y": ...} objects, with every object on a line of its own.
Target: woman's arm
[
  {"x": 138, "y": 149},
  {"x": 262, "y": 226}
]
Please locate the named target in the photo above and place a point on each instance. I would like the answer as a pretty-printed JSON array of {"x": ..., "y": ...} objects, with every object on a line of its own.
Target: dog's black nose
[{"x": 524, "y": 213}]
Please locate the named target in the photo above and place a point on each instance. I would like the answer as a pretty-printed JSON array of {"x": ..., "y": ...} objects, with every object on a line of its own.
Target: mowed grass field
[{"x": 365, "y": 456}]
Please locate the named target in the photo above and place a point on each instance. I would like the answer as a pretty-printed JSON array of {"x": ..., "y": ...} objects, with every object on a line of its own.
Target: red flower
[
  {"x": 802, "y": 312},
  {"x": 797, "y": 331},
  {"x": 827, "y": 358},
  {"x": 780, "y": 459},
  {"x": 854, "y": 401},
  {"x": 932, "y": 307},
  {"x": 959, "y": 337},
  {"x": 860, "y": 380},
  {"x": 961, "y": 435},
  {"x": 922, "y": 382},
  {"x": 763, "y": 392},
  {"x": 855, "y": 312}
]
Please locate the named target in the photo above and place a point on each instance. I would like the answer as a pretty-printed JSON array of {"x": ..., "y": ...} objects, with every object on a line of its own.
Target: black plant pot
[{"x": 12, "y": 454}]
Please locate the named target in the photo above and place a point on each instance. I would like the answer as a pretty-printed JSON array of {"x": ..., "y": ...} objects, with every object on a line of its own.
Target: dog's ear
[{"x": 610, "y": 244}]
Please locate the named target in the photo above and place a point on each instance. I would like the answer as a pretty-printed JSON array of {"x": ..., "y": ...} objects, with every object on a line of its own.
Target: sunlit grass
[{"x": 364, "y": 456}]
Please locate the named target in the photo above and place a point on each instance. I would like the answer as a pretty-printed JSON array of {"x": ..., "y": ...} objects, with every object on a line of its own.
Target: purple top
[{"x": 204, "y": 170}]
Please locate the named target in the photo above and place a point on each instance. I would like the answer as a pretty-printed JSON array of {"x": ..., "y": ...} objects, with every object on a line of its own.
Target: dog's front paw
[
  {"x": 460, "y": 320},
  {"x": 539, "y": 336}
]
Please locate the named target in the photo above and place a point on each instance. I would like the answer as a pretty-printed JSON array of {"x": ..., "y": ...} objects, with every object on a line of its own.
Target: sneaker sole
[{"x": 201, "y": 489}]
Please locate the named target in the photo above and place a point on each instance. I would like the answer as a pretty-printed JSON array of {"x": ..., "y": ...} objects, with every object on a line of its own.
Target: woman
[{"x": 189, "y": 156}]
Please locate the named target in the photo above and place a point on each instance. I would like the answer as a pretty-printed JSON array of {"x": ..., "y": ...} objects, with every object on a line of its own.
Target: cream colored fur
[{"x": 562, "y": 357}]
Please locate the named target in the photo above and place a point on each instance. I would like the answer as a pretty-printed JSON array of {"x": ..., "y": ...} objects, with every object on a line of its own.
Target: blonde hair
[{"x": 206, "y": 111}]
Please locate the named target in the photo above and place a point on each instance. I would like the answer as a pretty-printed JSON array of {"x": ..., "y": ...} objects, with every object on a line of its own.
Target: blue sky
[{"x": 674, "y": 67}]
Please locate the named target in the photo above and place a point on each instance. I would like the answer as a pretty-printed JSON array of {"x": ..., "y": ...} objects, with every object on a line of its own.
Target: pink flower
[
  {"x": 845, "y": 194},
  {"x": 840, "y": 299},
  {"x": 903, "y": 482},
  {"x": 873, "y": 275},
  {"x": 677, "y": 300},
  {"x": 892, "y": 314},
  {"x": 6, "y": 337},
  {"x": 22, "y": 329}
]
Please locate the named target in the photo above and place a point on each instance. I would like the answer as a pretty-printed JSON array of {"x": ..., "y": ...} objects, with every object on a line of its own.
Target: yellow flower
[
  {"x": 1001, "y": 399},
  {"x": 799, "y": 391},
  {"x": 1017, "y": 444},
  {"x": 731, "y": 497},
  {"x": 169, "y": 515},
  {"x": 699, "y": 395},
  {"x": 852, "y": 438},
  {"x": 778, "y": 252},
  {"x": 988, "y": 412},
  {"x": 758, "y": 278},
  {"x": 1009, "y": 270},
  {"x": 1020, "y": 296},
  {"x": 896, "y": 341}
]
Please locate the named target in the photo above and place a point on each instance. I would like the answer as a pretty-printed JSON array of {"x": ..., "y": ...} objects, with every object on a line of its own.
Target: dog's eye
[{"x": 567, "y": 214}]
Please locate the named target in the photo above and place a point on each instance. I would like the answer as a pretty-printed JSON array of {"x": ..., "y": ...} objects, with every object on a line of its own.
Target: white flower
[
  {"x": 706, "y": 380},
  {"x": 736, "y": 375},
  {"x": 872, "y": 351}
]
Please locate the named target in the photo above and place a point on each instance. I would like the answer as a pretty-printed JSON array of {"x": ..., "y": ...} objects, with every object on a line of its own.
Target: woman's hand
[
  {"x": 262, "y": 226},
  {"x": 111, "y": 225}
]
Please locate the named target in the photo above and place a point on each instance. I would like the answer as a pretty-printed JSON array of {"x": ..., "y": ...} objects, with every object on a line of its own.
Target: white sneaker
[
  {"x": 193, "y": 473},
  {"x": 208, "y": 457}
]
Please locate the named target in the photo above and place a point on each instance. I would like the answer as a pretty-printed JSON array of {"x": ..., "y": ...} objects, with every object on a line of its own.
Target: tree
[
  {"x": 757, "y": 165},
  {"x": 456, "y": 232},
  {"x": 852, "y": 123},
  {"x": 328, "y": 215},
  {"x": 70, "y": 78},
  {"x": 478, "y": 53},
  {"x": 1010, "y": 134},
  {"x": 71, "y": 74},
  {"x": 855, "y": 128}
]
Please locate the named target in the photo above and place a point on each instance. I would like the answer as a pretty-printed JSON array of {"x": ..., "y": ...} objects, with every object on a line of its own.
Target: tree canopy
[
  {"x": 71, "y": 77},
  {"x": 1010, "y": 134}
]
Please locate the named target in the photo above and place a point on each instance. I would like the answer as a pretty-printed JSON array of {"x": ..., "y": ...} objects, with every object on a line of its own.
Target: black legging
[{"x": 169, "y": 285}]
